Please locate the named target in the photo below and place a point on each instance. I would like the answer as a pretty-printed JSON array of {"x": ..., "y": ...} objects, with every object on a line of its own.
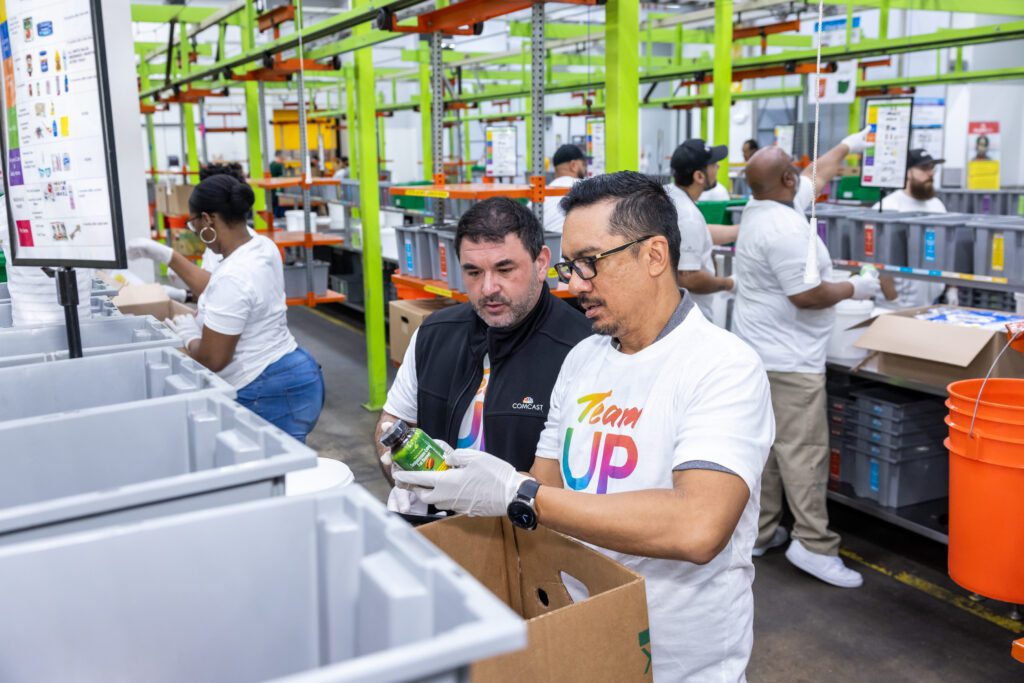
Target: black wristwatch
[{"x": 521, "y": 511}]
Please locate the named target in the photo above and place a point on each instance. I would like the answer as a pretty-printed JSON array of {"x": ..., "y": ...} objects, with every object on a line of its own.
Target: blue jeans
[{"x": 289, "y": 394}]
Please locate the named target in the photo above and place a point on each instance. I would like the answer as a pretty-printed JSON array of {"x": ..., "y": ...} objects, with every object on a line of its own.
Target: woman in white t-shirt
[{"x": 241, "y": 328}]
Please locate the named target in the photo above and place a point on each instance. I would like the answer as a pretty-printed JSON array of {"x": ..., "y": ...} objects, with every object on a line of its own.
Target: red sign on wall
[{"x": 983, "y": 128}]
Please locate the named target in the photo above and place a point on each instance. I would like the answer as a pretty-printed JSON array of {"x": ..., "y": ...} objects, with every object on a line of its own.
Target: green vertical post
[
  {"x": 369, "y": 203},
  {"x": 253, "y": 133},
  {"x": 427, "y": 144},
  {"x": 853, "y": 124},
  {"x": 150, "y": 137},
  {"x": 188, "y": 118},
  {"x": 849, "y": 23},
  {"x": 466, "y": 156},
  {"x": 705, "y": 129},
  {"x": 722, "y": 72},
  {"x": 622, "y": 74},
  {"x": 883, "y": 20},
  {"x": 350, "y": 122}
]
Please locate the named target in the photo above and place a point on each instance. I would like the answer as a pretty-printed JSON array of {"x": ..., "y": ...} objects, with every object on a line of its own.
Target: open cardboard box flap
[
  {"x": 934, "y": 353},
  {"x": 604, "y": 637},
  {"x": 149, "y": 299}
]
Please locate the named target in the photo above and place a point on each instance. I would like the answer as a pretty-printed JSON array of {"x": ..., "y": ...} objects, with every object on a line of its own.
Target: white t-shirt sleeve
[
  {"x": 401, "y": 401},
  {"x": 804, "y": 195},
  {"x": 786, "y": 257},
  {"x": 228, "y": 301},
  {"x": 549, "y": 445},
  {"x": 727, "y": 420}
]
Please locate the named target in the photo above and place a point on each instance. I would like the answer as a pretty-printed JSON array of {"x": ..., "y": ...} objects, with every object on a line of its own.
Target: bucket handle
[{"x": 977, "y": 401}]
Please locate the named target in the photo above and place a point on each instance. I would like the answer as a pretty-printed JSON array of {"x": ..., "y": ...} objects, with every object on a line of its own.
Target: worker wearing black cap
[
  {"x": 694, "y": 166},
  {"x": 570, "y": 167},
  {"x": 917, "y": 195}
]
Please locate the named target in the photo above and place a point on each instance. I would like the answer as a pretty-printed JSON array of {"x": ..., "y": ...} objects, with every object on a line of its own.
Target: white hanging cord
[{"x": 811, "y": 264}]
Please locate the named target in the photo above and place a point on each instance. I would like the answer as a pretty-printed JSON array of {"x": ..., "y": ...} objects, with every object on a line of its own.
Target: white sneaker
[
  {"x": 778, "y": 538},
  {"x": 825, "y": 567}
]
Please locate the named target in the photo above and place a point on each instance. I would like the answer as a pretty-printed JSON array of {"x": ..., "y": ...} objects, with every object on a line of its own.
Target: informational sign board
[
  {"x": 595, "y": 147},
  {"x": 926, "y": 131},
  {"x": 833, "y": 32},
  {"x": 784, "y": 137},
  {"x": 885, "y": 160},
  {"x": 61, "y": 182},
  {"x": 983, "y": 155},
  {"x": 501, "y": 153},
  {"x": 838, "y": 87}
]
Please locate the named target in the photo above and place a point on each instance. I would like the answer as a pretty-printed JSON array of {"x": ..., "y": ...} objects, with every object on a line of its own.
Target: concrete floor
[{"x": 909, "y": 622}]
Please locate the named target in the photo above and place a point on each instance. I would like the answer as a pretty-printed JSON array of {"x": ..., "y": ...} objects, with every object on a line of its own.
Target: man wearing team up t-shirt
[
  {"x": 657, "y": 432},
  {"x": 479, "y": 374}
]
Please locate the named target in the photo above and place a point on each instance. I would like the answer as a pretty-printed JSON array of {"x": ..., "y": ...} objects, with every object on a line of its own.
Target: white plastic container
[
  {"x": 295, "y": 220},
  {"x": 848, "y": 314},
  {"x": 336, "y": 214}
]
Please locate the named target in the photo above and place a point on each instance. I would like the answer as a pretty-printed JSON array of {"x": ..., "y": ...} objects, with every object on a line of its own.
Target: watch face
[{"x": 522, "y": 515}]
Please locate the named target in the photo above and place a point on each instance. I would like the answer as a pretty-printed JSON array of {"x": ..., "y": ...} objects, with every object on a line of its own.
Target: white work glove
[
  {"x": 176, "y": 294},
  {"x": 858, "y": 142},
  {"x": 476, "y": 483},
  {"x": 735, "y": 289},
  {"x": 406, "y": 502},
  {"x": 186, "y": 327},
  {"x": 140, "y": 247},
  {"x": 864, "y": 286}
]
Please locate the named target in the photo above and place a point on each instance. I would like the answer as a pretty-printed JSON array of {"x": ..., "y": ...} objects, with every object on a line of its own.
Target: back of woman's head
[{"x": 224, "y": 195}]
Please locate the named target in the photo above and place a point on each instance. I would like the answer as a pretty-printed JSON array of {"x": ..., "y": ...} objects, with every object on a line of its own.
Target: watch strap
[{"x": 528, "y": 490}]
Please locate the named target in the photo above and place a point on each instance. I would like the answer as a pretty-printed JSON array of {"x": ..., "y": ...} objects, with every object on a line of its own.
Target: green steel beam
[
  {"x": 722, "y": 96},
  {"x": 955, "y": 77},
  {"x": 144, "y": 48},
  {"x": 1008, "y": 8},
  {"x": 350, "y": 118},
  {"x": 253, "y": 134},
  {"x": 164, "y": 14},
  {"x": 648, "y": 34},
  {"x": 424, "y": 102},
  {"x": 622, "y": 65},
  {"x": 369, "y": 210}
]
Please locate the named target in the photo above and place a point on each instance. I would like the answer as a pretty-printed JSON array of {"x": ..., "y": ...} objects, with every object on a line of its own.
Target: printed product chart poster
[
  {"x": 60, "y": 178},
  {"x": 885, "y": 160}
]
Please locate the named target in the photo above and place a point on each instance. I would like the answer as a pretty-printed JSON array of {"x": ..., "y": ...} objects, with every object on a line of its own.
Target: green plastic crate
[
  {"x": 717, "y": 213},
  {"x": 413, "y": 203},
  {"x": 850, "y": 190},
  {"x": 3, "y": 267}
]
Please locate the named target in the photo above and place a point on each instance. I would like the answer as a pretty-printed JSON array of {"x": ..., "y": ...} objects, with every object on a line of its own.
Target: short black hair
[
  {"x": 233, "y": 169},
  {"x": 492, "y": 219},
  {"x": 566, "y": 154},
  {"x": 752, "y": 143},
  {"x": 684, "y": 178},
  {"x": 642, "y": 206},
  {"x": 222, "y": 194}
]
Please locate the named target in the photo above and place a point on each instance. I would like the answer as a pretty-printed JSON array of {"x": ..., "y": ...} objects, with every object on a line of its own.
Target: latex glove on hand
[
  {"x": 476, "y": 484},
  {"x": 176, "y": 294},
  {"x": 186, "y": 327},
  {"x": 141, "y": 247},
  {"x": 858, "y": 142},
  {"x": 864, "y": 286},
  {"x": 406, "y": 502}
]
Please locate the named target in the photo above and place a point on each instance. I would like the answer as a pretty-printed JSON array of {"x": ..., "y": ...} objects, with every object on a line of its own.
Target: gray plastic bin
[
  {"x": 553, "y": 241},
  {"x": 928, "y": 421},
  {"x": 897, "y": 484},
  {"x": 880, "y": 236},
  {"x": 935, "y": 447},
  {"x": 842, "y": 463},
  {"x": 91, "y": 468},
  {"x": 836, "y": 228},
  {"x": 447, "y": 267},
  {"x": 100, "y": 307},
  {"x": 414, "y": 251},
  {"x": 900, "y": 440},
  {"x": 44, "y": 388},
  {"x": 22, "y": 345},
  {"x": 940, "y": 242},
  {"x": 894, "y": 404},
  {"x": 999, "y": 247},
  {"x": 295, "y": 284},
  {"x": 326, "y": 588}
]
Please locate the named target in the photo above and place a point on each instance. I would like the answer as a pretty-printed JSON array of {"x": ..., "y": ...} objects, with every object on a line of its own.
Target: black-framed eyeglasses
[{"x": 586, "y": 266}]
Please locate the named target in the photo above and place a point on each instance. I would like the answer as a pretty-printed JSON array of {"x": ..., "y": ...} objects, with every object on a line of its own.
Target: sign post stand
[{"x": 67, "y": 297}]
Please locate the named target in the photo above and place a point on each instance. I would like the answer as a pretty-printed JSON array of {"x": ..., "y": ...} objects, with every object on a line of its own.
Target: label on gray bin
[{"x": 929, "y": 245}]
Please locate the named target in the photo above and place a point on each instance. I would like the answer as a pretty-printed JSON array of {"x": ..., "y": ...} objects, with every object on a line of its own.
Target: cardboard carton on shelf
[
  {"x": 602, "y": 635},
  {"x": 149, "y": 299},
  {"x": 172, "y": 200},
  {"x": 405, "y": 317},
  {"x": 934, "y": 353}
]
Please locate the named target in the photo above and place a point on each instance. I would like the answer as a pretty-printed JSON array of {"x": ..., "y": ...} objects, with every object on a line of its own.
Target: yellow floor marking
[
  {"x": 960, "y": 601},
  {"x": 336, "y": 321}
]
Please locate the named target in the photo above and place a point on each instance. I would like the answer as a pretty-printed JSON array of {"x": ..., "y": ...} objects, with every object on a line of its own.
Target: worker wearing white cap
[
  {"x": 694, "y": 168},
  {"x": 917, "y": 195},
  {"x": 788, "y": 318}
]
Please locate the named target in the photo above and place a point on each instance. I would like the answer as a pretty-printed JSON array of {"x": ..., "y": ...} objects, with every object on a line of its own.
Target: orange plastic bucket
[
  {"x": 986, "y": 494},
  {"x": 1002, "y": 398}
]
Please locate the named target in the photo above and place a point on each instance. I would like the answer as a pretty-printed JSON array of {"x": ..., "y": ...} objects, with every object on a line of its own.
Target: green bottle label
[{"x": 419, "y": 453}]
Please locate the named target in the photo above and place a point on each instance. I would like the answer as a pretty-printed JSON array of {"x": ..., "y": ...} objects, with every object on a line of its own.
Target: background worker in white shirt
[
  {"x": 917, "y": 195},
  {"x": 694, "y": 166},
  {"x": 658, "y": 428},
  {"x": 570, "y": 165},
  {"x": 788, "y": 321}
]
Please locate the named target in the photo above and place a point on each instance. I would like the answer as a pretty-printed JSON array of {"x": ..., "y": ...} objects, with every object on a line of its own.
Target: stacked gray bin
[
  {"x": 836, "y": 227},
  {"x": 999, "y": 246},
  {"x": 955, "y": 201},
  {"x": 899, "y": 453},
  {"x": 414, "y": 251},
  {"x": 295, "y": 283},
  {"x": 82, "y": 383},
  {"x": 941, "y": 242},
  {"x": 445, "y": 258},
  {"x": 326, "y": 588},
  {"x": 22, "y": 345},
  {"x": 91, "y": 468},
  {"x": 880, "y": 236},
  {"x": 553, "y": 241}
]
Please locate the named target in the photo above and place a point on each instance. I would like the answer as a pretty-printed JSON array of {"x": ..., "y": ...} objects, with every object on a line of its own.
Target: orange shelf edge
[
  {"x": 1018, "y": 650},
  {"x": 439, "y": 288},
  {"x": 285, "y": 238},
  {"x": 474, "y": 191},
  {"x": 312, "y": 300}
]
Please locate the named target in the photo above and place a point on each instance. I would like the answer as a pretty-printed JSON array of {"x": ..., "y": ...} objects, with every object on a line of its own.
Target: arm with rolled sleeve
[
  {"x": 227, "y": 304},
  {"x": 401, "y": 403},
  {"x": 786, "y": 257}
]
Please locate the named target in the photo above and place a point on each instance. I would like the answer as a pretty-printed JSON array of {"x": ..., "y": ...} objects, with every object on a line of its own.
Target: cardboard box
[
  {"x": 604, "y": 637},
  {"x": 934, "y": 353},
  {"x": 405, "y": 318},
  {"x": 148, "y": 299},
  {"x": 172, "y": 200}
]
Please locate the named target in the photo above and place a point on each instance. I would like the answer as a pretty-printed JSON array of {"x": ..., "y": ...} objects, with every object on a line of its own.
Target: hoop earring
[{"x": 212, "y": 239}]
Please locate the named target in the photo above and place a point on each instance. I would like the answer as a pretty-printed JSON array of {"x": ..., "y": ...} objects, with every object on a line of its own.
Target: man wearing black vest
[{"x": 479, "y": 375}]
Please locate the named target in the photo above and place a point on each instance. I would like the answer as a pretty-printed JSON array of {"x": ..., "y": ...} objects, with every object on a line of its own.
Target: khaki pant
[{"x": 798, "y": 463}]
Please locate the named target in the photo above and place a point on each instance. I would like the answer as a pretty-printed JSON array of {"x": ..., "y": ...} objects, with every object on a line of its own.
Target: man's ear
[
  {"x": 658, "y": 258},
  {"x": 543, "y": 262}
]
